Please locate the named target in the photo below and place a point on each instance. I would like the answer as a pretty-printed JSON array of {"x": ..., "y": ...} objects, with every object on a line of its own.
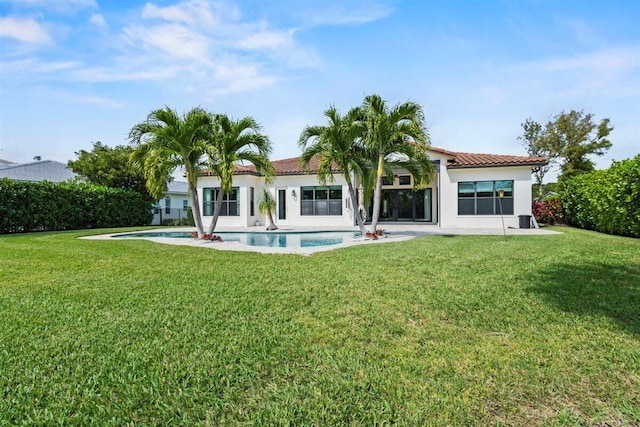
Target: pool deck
[{"x": 395, "y": 233}]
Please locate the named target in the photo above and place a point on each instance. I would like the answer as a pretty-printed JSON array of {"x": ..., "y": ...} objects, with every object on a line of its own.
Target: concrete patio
[{"x": 393, "y": 233}]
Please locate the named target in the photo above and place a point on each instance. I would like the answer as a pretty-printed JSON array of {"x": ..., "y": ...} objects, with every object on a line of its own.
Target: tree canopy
[
  {"x": 232, "y": 142},
  {"x": 569, "y": 139},
  {"x": 395, "y": 137},
  {"x": 110, "y": 167},
  {"x": 338, "y": 143},
  {"x": 167, "y": 141}
]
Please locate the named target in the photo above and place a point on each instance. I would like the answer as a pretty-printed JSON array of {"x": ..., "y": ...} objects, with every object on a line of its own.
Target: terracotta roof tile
[
  {"x": 473, "y": 160},
  {"x": 291, "y": 166}
]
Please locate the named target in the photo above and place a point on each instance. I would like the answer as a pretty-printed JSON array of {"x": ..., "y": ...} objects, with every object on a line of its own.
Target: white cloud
[
  {"x": 344, "y": 13},
  {"x": 267, "y": 40},
  {"x": 606, "y": 60},
  {"x": 119, "y": 72},
  {"x": 24, "y": 30},
  {"x": 35, "y": 66},
  {"x": 204, "y": 46},
  {"x": 192, "y": 13},
  {"x": 606, "y": 71},
  {"x": 172, "y": 39},
  {"x": 98, "y": 19}
]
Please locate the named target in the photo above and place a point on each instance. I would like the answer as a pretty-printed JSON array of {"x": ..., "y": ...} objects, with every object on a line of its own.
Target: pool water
[{"x": 264, "y": 239}]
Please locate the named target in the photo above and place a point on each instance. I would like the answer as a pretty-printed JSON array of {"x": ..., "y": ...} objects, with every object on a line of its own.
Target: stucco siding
[{"x": 450, "y": 178}]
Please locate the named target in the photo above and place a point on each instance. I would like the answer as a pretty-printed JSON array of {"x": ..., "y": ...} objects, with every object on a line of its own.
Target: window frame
[
  {"x": 312, "y": 202},
  {"x": 484, "y": 202},
  {"x": 228, "y": 203}
]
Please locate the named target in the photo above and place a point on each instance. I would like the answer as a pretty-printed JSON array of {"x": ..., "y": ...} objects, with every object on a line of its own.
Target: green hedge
[
  {"x": 605, "y": 200},
  {"x": 46, "y": 206}
]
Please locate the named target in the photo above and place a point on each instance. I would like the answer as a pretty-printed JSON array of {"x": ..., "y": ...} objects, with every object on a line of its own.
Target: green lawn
[{"x": 463, "y": 330}]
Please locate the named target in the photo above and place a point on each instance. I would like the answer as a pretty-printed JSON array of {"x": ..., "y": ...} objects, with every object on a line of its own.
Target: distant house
[
  {"x": 45, "y": 170},
  {"x": 466, "y": 190},
  {"x": 174, "y": 206},
  {"x": 6, "y": 163}
]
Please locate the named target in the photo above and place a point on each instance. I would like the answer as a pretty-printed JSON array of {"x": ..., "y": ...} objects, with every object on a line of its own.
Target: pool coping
[{"x": 395, "y": 233}]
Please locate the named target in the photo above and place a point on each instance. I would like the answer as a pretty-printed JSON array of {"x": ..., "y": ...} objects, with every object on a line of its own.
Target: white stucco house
[
  {"x": 174, "y": 206},
  {"x": 464, "y": 192}
]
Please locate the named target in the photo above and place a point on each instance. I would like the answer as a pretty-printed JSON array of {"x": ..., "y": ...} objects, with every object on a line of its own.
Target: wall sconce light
[{"x": 293, "y": 193}]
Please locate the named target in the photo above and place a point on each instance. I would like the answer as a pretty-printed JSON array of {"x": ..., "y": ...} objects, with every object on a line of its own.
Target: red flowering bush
[
  {"x": 549, "y": 211},
  {"x": 212, "y": 237}
]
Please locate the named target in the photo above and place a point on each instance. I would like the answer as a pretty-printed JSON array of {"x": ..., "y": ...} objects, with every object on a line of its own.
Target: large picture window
[
  {"x": 229, "y": 202},
  {"x": 321, "y": 201},
  {"x": 483, "y": 198}
]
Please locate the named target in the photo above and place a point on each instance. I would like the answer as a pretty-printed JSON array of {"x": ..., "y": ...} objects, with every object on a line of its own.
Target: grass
[{"x": 464, "y": 330}]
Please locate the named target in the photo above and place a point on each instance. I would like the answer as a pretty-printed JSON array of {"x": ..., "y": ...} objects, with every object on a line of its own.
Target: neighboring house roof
[
  {"x": 45, "y": 170},
  {"x": 179, "y": 187},
  {"x": 6, "y": 163},
  {"x": 456, "y": 160}
]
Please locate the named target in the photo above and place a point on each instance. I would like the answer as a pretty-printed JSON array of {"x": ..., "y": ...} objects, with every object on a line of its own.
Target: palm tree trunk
[
  {"x": 355, "y": 206},
  {"x": 216, "y": 212},
  {"x": 377, "y": 195},
  {"x": 271, "y": 225},
  {"x": 195, "y": 209}
]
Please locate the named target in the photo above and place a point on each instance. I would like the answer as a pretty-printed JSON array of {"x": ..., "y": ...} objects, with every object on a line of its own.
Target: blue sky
[{"x": 77, "y": 71}]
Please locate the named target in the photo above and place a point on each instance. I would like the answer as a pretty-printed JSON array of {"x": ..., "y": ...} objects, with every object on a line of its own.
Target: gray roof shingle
[{"x": 45, "y": 170}]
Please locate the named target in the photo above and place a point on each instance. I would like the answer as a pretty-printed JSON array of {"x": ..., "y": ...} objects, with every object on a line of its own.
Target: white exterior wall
[
  {"x": 176, "y": 203},
  {"x": 444, "y": 198},
  {"x": 295, "y": 182},
  {"x": 449, "y": 178},
  {"x": 288, "y": 183},
  {"x": 244, "y": 183}
]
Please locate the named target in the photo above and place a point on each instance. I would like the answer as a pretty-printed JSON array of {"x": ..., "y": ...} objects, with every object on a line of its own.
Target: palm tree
[
  {"x": 165, "y": 142},
  {"x": 267, "y": 206},
  {"x": 232, "y": 142},
  {"x": 395, "y": 137},
  {"x": 336, "y": 144}
]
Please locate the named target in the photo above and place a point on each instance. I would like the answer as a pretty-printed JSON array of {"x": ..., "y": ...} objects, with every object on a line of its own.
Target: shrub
[
  {"x": 605, "y": 200},
  {"x": 47, "y": 206},
  {"x": 549, "y": 211}
]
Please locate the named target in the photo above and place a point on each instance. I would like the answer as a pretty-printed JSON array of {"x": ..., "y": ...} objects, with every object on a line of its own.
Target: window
[
  {"x": 483, "y": 198},
  {"x": 229, "y": 202},
  {"x": 185, "y": 204},
  {"x": 156, "y": 207},
  {"x": 321, "y": 201},
  {"x": 404, "y": 180},
  {"x": 167, "y": 205},
  {"x": 252, "y": 202},
  {"x": 387, "y": 181}
]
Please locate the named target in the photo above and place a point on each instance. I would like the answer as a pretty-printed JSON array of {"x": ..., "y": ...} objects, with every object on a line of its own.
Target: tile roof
[
  {"x": 475, "y": 160},
  {"x": 180, "y": 187},
  {"x": 45, "y": 170},
  {"x": 290, "y": 166},
  {"x": 456, "y": 160}
]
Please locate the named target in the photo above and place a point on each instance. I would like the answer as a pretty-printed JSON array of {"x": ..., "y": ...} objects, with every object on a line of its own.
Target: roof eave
[{"x": 497, "y": 165}]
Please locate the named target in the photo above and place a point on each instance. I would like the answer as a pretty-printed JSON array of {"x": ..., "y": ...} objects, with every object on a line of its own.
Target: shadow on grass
[{"x": 597, "y": 290}]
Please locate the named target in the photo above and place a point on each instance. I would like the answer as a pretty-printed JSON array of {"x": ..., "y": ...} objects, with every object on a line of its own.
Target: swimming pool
[{"x": 270, "y": 239}]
